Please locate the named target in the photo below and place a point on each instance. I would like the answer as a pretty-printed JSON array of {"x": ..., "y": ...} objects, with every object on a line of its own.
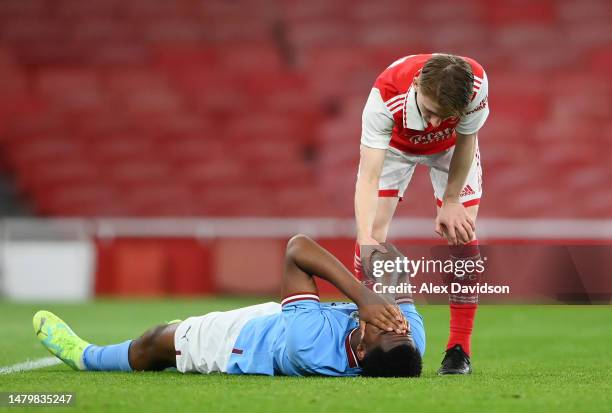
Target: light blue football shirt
[{"x": 306, "y": 338}]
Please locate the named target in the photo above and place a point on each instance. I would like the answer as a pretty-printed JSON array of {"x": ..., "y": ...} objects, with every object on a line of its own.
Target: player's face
[
  {"x": 431, "y": 112},
  {"x": 374, "y": 337}
]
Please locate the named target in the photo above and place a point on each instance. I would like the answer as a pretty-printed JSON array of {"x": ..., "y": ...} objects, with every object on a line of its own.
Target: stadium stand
[{"x": 252, "y": 108}]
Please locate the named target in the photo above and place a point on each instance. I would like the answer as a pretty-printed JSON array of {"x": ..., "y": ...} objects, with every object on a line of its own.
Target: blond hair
[{"x": 448, "y": 80}]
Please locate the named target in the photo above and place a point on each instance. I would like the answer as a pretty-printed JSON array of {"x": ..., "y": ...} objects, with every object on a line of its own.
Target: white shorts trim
[{"x": 204, "y": 344}]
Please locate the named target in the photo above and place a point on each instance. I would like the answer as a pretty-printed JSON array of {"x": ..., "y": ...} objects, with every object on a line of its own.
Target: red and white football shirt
[{"x": 391, "y": 117}]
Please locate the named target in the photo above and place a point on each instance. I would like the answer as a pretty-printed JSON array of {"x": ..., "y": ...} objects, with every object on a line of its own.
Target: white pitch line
[{"x": 30, "y": 365}]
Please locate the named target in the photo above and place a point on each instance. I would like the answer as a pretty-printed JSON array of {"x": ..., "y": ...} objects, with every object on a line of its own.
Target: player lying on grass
[{"x": 298, "y": 337}]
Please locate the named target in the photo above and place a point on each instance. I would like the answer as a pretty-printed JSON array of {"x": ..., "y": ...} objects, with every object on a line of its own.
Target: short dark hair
[
  {"x": 400, "y": 361},
  {"x": 448, "y": 80}
]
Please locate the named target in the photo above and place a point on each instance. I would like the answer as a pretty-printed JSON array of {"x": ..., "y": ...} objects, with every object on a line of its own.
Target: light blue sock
[{"x": 108, "y": 358}]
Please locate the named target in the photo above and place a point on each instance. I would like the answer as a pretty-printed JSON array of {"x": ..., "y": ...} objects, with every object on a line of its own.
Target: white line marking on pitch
[{"x": 30, "y": 365}]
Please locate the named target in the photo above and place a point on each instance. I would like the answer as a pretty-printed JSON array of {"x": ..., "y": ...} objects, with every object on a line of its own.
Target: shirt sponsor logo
[{"x": 432, "y": 137}]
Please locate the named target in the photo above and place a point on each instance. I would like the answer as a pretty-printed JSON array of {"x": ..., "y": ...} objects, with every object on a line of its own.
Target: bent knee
[
  {"x": 297, "y": 242},
  {"x": 472, "y": 211}
]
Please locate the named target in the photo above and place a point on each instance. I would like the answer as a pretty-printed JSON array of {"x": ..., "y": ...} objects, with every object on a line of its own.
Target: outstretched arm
[
  {"x": 306, "y": 259},
  {"x": 366, "y": 192}
]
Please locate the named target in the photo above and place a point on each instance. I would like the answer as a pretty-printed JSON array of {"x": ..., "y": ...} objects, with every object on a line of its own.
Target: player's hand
[
  {"x": 367, "y": 247},
  {"x": 454, "y": 223},
  {"x": 379, "y": 312}
]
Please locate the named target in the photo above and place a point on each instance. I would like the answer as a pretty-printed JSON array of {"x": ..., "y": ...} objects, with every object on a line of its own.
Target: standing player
[{"x": 426, "y": 109}]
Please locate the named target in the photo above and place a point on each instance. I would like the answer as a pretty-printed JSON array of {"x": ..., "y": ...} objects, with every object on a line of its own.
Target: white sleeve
[
  {"x": 478, "y": 110},
  {"x": 376, "y": 122}
]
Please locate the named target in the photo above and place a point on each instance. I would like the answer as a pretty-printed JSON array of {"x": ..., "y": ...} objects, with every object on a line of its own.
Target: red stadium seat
[{"x": 236, "y": 108}]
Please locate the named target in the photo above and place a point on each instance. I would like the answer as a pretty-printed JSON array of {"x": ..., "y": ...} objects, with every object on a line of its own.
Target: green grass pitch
[{"x": 526, "y": 359}]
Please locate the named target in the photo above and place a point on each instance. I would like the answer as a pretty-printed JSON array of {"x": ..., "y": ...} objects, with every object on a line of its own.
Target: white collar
[{"x": 412, "y": 116}]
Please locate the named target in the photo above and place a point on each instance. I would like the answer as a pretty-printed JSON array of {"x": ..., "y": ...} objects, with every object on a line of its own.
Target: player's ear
[
  {"x": 415, "y": 82},
  {"x": 360, "y": 351}
]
